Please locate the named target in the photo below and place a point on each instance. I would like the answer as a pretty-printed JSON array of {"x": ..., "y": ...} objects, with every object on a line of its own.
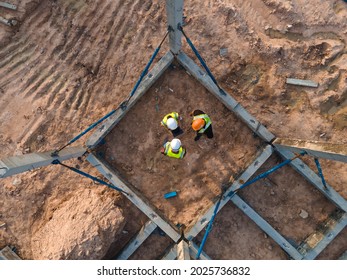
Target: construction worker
[
  {"x": 201, "y": 124},
  {"x": 174, "y": 149},
  {"x": 170, "y": 121}
]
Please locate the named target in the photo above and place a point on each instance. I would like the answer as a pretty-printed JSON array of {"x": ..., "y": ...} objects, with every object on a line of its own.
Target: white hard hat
[
  {"x": 175, "y": 144},
  {"x": 172, "y": 123}
]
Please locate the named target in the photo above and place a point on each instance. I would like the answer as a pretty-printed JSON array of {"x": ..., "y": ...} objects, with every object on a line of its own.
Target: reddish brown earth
[{"x": 67, "y": 63}]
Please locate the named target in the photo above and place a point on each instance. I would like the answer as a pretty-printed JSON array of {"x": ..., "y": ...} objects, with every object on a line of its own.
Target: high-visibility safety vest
[
  {"x": 207, "y": 120},
  {"x": 172, "y": 115},
  {"x": 168, "y": 151}
]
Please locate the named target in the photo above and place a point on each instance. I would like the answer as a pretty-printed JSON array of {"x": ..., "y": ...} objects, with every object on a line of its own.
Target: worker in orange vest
[{"x": 201, "y": 124}]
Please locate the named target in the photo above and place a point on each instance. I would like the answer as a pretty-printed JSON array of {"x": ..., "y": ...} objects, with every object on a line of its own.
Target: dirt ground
[
  {"x": 133, "y": 148},
  {"x": 67, "y": 63}
]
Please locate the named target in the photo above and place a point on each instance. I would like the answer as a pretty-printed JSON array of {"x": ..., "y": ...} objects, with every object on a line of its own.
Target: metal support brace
[
  {"x": 266, "y": 227},
  {"x": 157, "y": 70},
  {"x": 227, "y": 100},
  {"x": 136, "y": 242},
  {"x": 135, "y": 197},
  {"x": 19, "y": 164},
  {"x": 314, "y": 179},
  {"x": 193, "y": 249},
  {"x": 327, "y": 238},
  {"x": 183, "y": 250},
  {"x": 314, "y": 148},
  {"x": 174, "y": 11},
  {"x": 248, "y": 173}
]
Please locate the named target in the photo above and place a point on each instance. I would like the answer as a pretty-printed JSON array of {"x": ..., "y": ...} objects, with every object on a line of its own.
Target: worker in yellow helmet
[
  {"x": 170, "y": 121},
  {"x": 174, "y": 149},
  {"x": 201, "y": 124}
]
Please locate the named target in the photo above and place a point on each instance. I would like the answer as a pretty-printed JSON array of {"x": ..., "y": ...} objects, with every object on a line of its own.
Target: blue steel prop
[
  {"x": 89, "y": 176},
  {"x": 320, "y": 172},
  {"x": 209, "y": 228},
  {"x": 202, "y": 61}
]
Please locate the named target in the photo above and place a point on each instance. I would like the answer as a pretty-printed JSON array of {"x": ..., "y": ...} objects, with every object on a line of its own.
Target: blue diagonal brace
[
  {"x": 89, "y": 176},
  {"x": 320, "y": 172}
]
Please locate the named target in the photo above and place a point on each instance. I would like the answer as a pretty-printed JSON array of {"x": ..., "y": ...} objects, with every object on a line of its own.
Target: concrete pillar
[
  {"x": 19, "y": 164},
  {"x": 314, "y": 148},
  {"x": 174, "y": 11}
]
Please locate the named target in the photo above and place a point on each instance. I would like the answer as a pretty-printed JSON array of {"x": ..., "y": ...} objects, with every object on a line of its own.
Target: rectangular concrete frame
[
  {"x": 227, "y": 100},
  {"x": 314, "y": 148},
  {"x": 104, "y": 128},
  {"x": 251, "y": 169},
  {"x": 327, "y": 239},
  {"x": 19, "y": 164},
  {"x": 266, "y": 227},
  {"x": 135, "y": 197},
  {"x": 136, "y": 242}
]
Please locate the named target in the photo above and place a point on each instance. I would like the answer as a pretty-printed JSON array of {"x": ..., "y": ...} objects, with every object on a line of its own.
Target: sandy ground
[
  {"x": 133, "y": 148},
  {"x": 67, "y": 63}
]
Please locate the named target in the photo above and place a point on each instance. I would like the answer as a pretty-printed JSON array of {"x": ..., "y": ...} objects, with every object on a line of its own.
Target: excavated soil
[
  {"x": 133, "y": 148},
  {"x": 67, "y": 63}
]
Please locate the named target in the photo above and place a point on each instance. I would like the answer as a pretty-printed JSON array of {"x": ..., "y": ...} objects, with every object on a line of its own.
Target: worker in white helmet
[
  {"x": 174, "y": 149},
  {"x": 170, "y": 121}
]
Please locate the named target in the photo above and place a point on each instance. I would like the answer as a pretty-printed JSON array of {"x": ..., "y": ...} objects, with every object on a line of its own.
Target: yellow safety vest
[
  {"x": 168, "y": 151},
  {"x": 172, "y": 115},
  {"x": 207, "y": 120}
]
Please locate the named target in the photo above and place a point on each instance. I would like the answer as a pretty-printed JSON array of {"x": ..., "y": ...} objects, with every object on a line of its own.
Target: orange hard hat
[{"x": 198, "y": 124}]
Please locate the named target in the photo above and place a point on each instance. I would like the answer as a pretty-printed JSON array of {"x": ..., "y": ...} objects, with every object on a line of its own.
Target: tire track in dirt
[
  {"x": 48, "y": 62},
  {"x": 115, "y": 35},
  {"x": 115, "y": 41}
]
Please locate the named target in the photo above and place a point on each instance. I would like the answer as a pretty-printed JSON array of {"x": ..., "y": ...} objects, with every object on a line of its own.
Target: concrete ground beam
[
  {"x": 266, "y": 227},
  {"x": 193, "y": 249},
  {"x": 135, "y": 197},
  {"x": 7, "y": 254},
  {"x": 227, "y": 100},
  {"x": 104, "y": 128},
  {"x": 136, "y": 242},
  {"x": 19, "y": 164},
  {"x": 314, "y": 148},
  {"x": 343, "y": 256},
  {"x": 174, "y": 12},
  {"x": 246, "y": 175},
  {"x": 183, "y": 250},
  {"x": 8, "y": 5},
  {"x": 314, "y": 179},
  {"x": 171, "y": 254},
  {"x": 327, "y": 239}
]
